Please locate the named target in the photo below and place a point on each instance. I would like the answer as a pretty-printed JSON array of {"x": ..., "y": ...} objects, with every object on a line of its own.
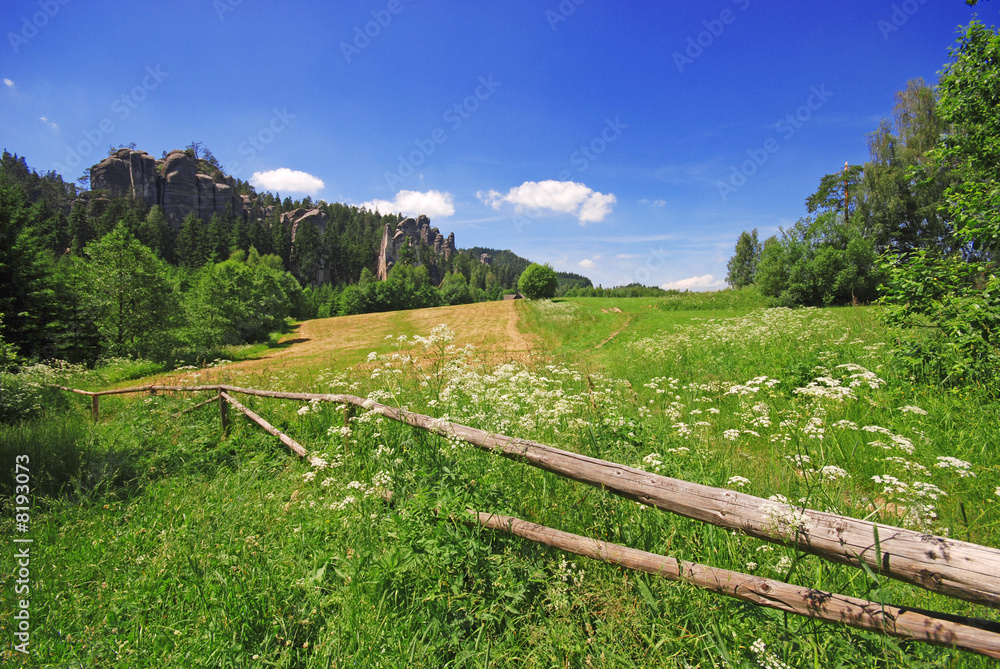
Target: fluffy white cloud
[
  {"x": 46, "y": 121},
  {"x": 564, "y": 197},
  {"x": 696, "y": 283},
  {"x": 8, "y": 83},
  {"x": 433, "y": 203},
  {"x": 284, "y": 180},
  {"x": 587, "y": 263}
]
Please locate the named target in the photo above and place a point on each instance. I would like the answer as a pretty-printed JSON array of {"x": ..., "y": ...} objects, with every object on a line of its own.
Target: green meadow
[{"x": 159, "y": 541}]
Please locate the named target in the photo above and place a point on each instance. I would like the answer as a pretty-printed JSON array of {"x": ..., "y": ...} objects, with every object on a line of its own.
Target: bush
[
  {"x": 538, "y": 282},
  {"x": 951, "y": 309},
  {"x": 818, "y": 262}
]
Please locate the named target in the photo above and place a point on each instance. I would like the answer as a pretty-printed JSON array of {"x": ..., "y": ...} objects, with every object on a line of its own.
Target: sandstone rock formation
[
  {"x": 174, "y": 183},
  {"x": 429, "y": 247}
]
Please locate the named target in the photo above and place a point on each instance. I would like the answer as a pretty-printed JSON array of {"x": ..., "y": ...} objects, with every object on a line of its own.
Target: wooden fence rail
[
  {"x": 948, "y": 566},
  {"x": 967, "y": 633}
]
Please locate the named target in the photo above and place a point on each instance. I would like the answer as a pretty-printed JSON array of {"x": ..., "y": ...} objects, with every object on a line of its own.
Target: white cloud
[
  {"x": 8, "y": 83},
  {"x": 284, "y": 180},
  {"x": 46, "y": 121},
  {"x": 696, "y": 283},
  {"x": 564, "y": 197},
  {"x": 653, "y": 203},
  {"x": 433, "y": 203},
  {"x": 587, "y": 263}
]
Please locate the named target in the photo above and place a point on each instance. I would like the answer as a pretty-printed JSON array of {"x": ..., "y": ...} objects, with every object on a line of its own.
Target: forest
[{"x": 85, "y": 277}]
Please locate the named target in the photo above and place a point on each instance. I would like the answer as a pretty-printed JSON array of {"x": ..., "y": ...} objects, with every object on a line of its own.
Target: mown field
[{"x": 157, "y": 541}]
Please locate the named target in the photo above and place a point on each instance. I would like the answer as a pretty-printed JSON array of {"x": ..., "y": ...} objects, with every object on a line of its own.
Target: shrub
[{"x": 538, "y": 282}]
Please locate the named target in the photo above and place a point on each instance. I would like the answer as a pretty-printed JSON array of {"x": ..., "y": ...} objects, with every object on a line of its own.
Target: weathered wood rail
[
  {"x": 948, "y": 566},
  {"x": 936, "y": 628}
]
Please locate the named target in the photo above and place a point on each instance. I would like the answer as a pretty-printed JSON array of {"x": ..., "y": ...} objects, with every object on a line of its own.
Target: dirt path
[
  {"x": 492, "y": 327},
  {"x": 616, "y": 332}
]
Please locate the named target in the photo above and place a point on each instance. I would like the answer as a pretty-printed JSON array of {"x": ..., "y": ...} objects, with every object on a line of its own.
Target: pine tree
[
  {"x": 191, "y": 247},
  {"x": 158, "y": 235}
]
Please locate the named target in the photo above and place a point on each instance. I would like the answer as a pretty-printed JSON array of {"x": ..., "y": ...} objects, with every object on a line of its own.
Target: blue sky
[{"x": 623, "y": 141}]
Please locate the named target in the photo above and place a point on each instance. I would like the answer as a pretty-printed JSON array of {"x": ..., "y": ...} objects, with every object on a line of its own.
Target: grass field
[{"x": 159, "y": 542}]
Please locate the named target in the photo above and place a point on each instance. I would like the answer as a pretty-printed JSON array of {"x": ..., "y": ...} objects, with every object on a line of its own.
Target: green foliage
[
  {"x": 949, "y": 306},
  {"x": 952, "y": 311},
  {"x": 405, "y": 288},
  {"x": 455, "y": 289},
  {"x": 818, "y": 262},
  {"x": 630, "y": 290},
  {"x": 969, "y": 89},
  {"x": 743, "y": 265},
  {"x": 538, "y": 282},
  {"x": 235, "y": 302},
  {"x": 569, "y": 281},
  {"x": 25, "y": 286},
  {"x": 156, "y": 233},
  {"x": 192, "y": 243},
  {"x": 132, "y": 299}
]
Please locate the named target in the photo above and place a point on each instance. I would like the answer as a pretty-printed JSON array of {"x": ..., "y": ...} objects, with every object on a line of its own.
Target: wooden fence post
[
  {"x": 224, "y": 413},
  {"x": 95, "y": 407}
]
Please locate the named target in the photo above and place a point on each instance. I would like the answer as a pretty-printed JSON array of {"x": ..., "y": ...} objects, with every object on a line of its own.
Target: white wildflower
[
  {"x": 833, "y": 472},
  {"x": 738, "y": 481},
  {"x": 961, "y": 467}
]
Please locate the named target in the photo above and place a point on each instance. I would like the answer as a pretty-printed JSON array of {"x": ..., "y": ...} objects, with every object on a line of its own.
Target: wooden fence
[{"x": 948, "y": 566}]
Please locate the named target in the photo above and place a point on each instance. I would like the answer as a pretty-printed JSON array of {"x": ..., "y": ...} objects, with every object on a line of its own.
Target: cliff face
[
  {"x": 173, "y": 183},
  {"x": 429, "y": 247}
]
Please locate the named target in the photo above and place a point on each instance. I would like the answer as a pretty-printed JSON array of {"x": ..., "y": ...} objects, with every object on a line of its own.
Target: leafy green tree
[
  {"x": 538, "y": 282},
  {"x": 970, "y": 91},
  {"x": 132, "y": 298},
  {"x": 455, "y": 289},
  {"x": 743, "y": 265},
  {"x": 949, "y": 305},
  {"x": 818, "y": 262}
]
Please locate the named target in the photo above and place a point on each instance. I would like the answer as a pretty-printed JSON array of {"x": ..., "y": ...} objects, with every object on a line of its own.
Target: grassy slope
[{"x": 169, "y": 546}]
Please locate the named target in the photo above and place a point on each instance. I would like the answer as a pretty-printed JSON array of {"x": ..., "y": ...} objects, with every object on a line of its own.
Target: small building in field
[{"x": 514, "y": 296}]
